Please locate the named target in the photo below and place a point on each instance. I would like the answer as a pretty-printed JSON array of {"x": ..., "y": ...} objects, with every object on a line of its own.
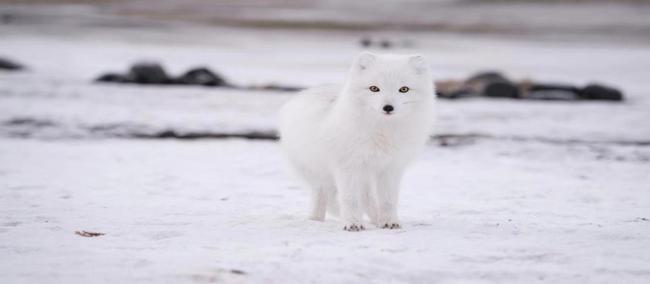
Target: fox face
[{"x": 390, "y": 86}]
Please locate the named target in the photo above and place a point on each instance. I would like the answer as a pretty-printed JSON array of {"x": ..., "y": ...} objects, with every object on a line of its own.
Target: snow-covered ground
[
  {"x": 536, "y": 191},
  {"x": 177, "y": 212}
]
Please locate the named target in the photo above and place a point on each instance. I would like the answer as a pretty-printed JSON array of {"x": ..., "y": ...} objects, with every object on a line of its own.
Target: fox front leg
[
  {"x": 387, "y": 196},
  {"x": 350, "y": 186}
]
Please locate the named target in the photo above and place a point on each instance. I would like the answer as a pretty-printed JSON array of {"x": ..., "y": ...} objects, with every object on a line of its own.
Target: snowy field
[
  {"x": 195, "y": 211},
  {"x": 527, "y": 192}
]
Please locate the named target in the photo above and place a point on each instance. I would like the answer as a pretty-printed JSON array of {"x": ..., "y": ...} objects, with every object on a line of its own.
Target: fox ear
[
  {"x": 365, "y": 60},
  {"x": 418, "y": 63}
]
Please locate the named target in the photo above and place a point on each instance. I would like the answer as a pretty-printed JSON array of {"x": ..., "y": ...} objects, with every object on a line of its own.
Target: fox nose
[{"x": 388, "y": 108}]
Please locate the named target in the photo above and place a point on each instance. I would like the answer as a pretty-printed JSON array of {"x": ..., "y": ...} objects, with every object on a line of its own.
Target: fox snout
[{"x": 388, "y": 109}]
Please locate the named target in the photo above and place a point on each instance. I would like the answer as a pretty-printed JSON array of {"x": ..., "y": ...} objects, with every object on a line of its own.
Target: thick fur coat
[{"x": 351, "y": 144}]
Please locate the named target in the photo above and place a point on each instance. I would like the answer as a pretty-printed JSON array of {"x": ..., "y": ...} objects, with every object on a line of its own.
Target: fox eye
[
  {"x": 404, "y": 89},
  {"x": 374, "y": 89}
]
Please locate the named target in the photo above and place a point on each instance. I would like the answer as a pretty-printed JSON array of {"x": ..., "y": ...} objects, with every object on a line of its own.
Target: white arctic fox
[{"x": 351, "y": 144}]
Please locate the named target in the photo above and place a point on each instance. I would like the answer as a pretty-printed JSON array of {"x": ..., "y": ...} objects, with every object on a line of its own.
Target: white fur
[{"x": 342, "y": 143}]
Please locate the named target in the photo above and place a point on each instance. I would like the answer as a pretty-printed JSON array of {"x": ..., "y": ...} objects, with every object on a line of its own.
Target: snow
[
  {"x": 192, "y": 211},
  {"x": 538, "y": 191}
]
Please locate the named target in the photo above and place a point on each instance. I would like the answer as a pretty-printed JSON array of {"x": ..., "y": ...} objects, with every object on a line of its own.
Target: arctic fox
[{"x": 351, "y": 144}]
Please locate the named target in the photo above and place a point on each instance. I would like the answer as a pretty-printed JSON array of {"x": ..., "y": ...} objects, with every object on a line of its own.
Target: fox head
[{"x": 390, "y": 86}]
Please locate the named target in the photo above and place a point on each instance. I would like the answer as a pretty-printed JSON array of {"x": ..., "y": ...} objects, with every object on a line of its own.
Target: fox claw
[
  {"x": 391, "y": 226},
  {"x": 354, "y": 228}
]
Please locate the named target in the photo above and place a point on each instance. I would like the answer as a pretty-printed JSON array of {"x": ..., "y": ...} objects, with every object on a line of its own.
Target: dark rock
[
  {"x": 455, "y": 94},
  {"x": 458, "y": 94},
  {"x": 553, "y": 92},
  {"x": 492, "y": 84},
  {"x": 365, "y": 42},
  {"x": 553, "y": 87},
  {"x": 386, "y": 44},
  {"x": 201, "y": 76},
  {"x": 486, "y": 77},
  {"x": 167, "y": 134},
  {"x": 148, "y": 73},
  {"x": 551, "y": 95},
  {"x": 453, "y": 89},
  {"x": 501, "y": 90},
  {"x": 6, "y": 18},
  {"x": 6, "y": 64},
  {"x": 600, "y": 92},
  {"x": 114, "y": 78}
]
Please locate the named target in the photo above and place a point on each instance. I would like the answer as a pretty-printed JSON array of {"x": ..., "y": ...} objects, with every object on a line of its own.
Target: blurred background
[
  {"x": 279, "y": 47},
  {"x": 153, "y": 122}
]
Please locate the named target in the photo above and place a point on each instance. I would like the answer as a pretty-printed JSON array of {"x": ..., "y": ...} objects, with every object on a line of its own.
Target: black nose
[{"x": 388, "y": 108}]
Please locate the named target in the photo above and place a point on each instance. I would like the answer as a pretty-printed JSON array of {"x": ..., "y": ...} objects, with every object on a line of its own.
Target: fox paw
[
  {"x": 354, "y": 228},
  {"x": 391, "y": 226}
]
